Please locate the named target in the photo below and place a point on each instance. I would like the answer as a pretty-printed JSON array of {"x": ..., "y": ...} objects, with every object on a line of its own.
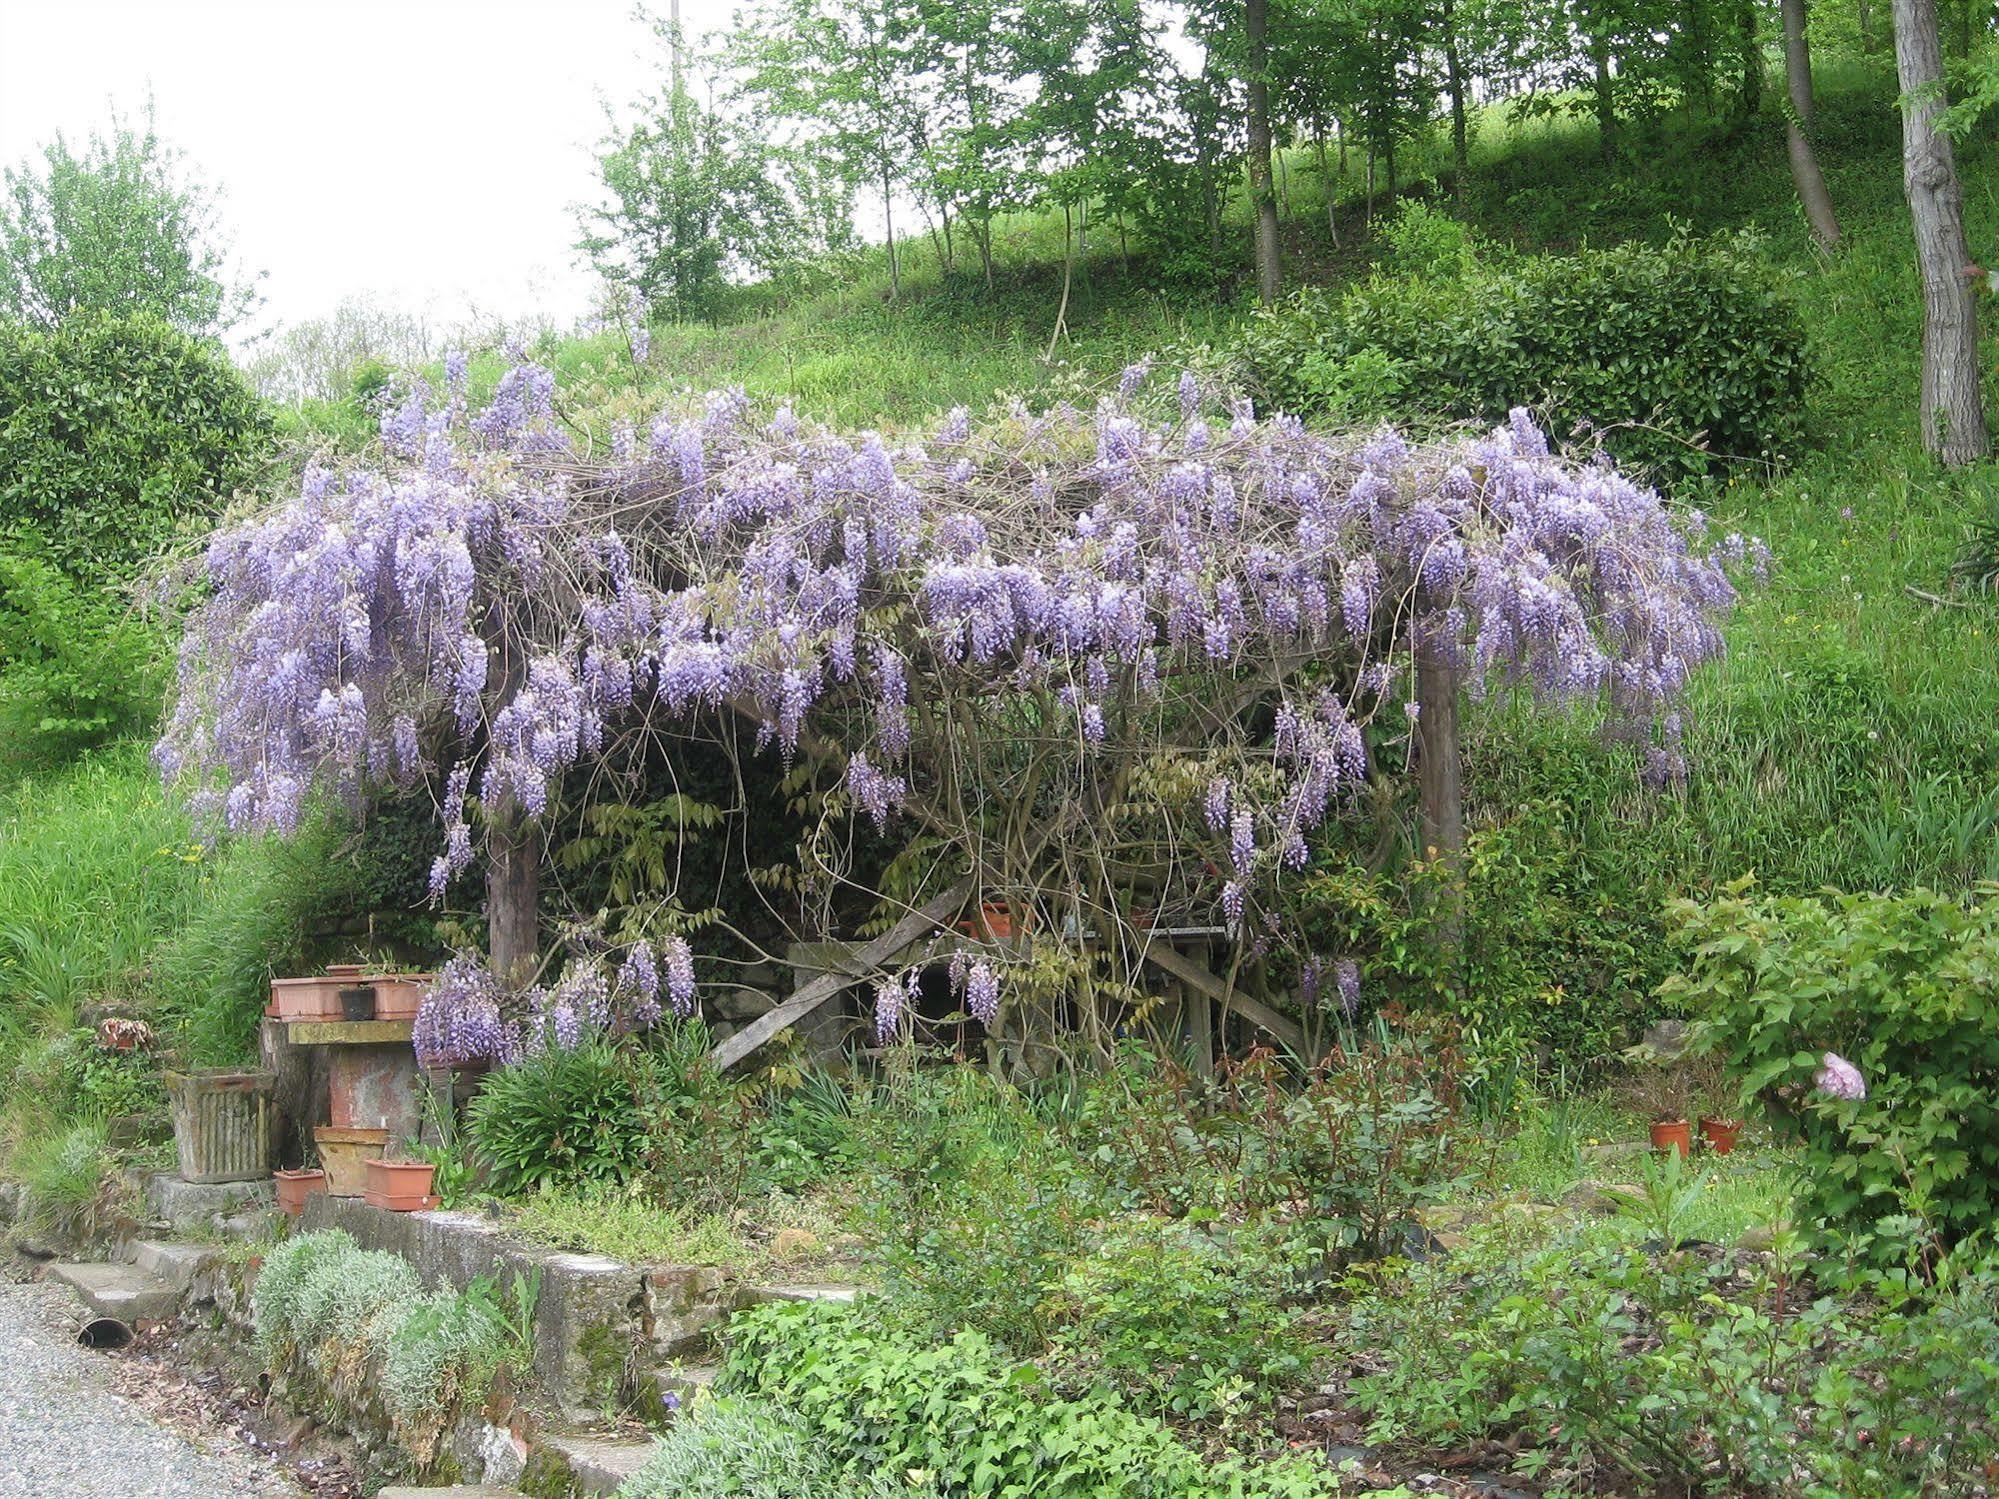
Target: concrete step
[
  {"x": 125, "y": 1292},
  {"x": 175, "y": 1263},
  {"x": 761, "y": 1295},
  {"x": 596, "y": 1466}
]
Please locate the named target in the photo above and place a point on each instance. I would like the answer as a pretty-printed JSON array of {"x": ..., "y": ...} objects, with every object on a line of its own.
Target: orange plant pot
[
  {"x": 995, "y": 923},
  {"x": 398, "y": 995},
  {"x": 294, "y": 1187},
  {"x": 400, "y": 1186},
  {"x": 308, "y": 998},
  {"x": 1720, "y": 1134},
  {"x": 1673, "y": 1134}
]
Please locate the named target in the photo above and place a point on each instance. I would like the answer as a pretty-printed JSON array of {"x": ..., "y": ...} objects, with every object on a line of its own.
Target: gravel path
[{"x": 64, "y": 1433}]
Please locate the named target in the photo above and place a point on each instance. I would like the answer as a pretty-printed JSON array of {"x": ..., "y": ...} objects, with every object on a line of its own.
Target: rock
[
  {"x": 685, "y": 1304},
  {"x": 1667, "y": 1039},
  {"x": 742, "y": 1003},
  {"x": 596, "y": 1466},
  {"x": 794, "y": 1243},
  {"x": 1759, "y": 1239},
  {"x": 1594, "y": 1196},
  {"x": 191, "y": 1207},
  {"x": 1616, "y": 1150}
]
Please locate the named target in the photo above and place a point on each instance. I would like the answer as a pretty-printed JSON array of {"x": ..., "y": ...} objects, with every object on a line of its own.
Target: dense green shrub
[
  {"x": 877, "y": 1397},
  {"x": 1663, "y": 346},
  {"x": 1557, "y": 949},
  {"x": 1902, "y": 986},
  {"x": 77, "y": 668},
  {"x": 1604, "y": 1361},
  {"x": 721, "y": 1448},
  {"x": 115, "y": 430},
  {"x": 565, "y": 1117}
]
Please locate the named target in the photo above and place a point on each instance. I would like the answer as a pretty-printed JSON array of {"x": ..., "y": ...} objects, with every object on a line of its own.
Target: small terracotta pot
[
  {"x": 400, "y": 1186},
  {"x": 294, "y": 1187},
  {"x": 994, "y": 923},
  {"x": 345, "y": 1154},
  {"x": 357, "y": 1002},
  {"x": 1673, "y": 1134},
  {"x": 1720, "y": 1134}
]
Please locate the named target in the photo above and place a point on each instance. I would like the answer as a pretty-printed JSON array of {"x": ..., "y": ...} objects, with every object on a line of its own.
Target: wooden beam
[
  {"x": 1255, "y": 1011},
  {"x": 823, "y": 988}
]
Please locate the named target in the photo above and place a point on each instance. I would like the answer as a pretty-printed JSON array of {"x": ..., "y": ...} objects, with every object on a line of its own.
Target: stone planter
[
  {"x": 222, "y": 1124},
  {"x": 345, "y": 1153}
]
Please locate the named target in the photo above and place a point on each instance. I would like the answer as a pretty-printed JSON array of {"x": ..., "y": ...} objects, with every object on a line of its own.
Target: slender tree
[
  {"x": 1256, "y": 49},
  {"x": 1798, "y": 126},
  {"x": 1953, "y": 410}
]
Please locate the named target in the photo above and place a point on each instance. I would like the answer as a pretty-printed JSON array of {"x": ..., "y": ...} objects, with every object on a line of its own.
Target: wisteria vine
[{"x": 1107, "y": 659}]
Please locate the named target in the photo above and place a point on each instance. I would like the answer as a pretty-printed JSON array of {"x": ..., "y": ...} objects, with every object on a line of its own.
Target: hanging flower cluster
[{"x": 994, "y": 633}]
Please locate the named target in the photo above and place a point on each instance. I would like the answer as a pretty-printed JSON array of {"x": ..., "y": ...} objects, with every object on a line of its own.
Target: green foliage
[
  {"x": 1603, "y": 1361},
  {"x": 1901, "y": 986},
  {"x": 69, "y": 1075},
  {"x": 62, "y": 1172},
  {"x": 1558, "y": 946},
  {"x": 1681, "y": 356},
  {"x": 119, "y": 227},
  {"x": 722, "y": 1448},
  {"x": 76, "y": 669},
  {"x": 565, "y": 1117},
  {"x": 626, "y": 1226},
  {"x": 876, "y": 1397},
  {"x": 1185, "y": 1323},
  {"x": 117, "y": 429},
  {"x": 95, "y": 872}
]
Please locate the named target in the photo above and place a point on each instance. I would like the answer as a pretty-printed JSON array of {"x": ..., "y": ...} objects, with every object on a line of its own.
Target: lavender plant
[{"x": 1134, "y": 655}]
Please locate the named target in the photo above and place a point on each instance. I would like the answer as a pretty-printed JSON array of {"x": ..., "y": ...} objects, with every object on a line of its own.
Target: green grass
[{"x": 628, "y": 1228}]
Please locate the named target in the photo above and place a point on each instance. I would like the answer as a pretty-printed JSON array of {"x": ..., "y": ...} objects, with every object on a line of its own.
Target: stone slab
[
  {"x": 749, "y": 1296},
  {"x": 351, "y": 1032},
  {"x": 178, "y": 1265},
  {"x": 193, "y": 1207},
  {"x": 121, "y": 1291},
  {"x": 597, "y": 1466}
]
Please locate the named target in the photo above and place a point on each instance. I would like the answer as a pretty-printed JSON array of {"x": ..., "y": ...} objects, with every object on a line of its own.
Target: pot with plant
[
  {"x": 294, "y": 1187},
  {"x": 1659, "y": 1087},
  {"x": 400, "y": 1185}
]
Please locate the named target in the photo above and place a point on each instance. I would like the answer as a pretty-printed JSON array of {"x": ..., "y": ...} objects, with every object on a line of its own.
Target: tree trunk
[
  {"x": 1332, "y": 196},
  {"x": 1952, "y": 411},
  {"x": 513, "y": 897},
  {"x": 1603, "y": 92},
  {"x": 1750, "y": 100},
  {"x": 1256, "y": 32},
  {"x": 1454, "y": 77},
  {"x": 1797, "y": 128},
  {"x": 888, "y": 222}
]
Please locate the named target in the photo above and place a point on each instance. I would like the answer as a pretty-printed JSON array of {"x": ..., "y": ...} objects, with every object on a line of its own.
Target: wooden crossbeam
[{"x": 1185, "y": 969}]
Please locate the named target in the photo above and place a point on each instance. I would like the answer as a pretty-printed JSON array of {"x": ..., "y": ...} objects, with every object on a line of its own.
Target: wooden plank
[
  {"x": 351, "y": 1032},
  {"x": 823, "y": 988},
  {"x": 1255, "y": 1011}
]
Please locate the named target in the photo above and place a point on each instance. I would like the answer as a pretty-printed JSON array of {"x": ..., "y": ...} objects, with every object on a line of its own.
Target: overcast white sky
[{"x": 422, "y": 152}]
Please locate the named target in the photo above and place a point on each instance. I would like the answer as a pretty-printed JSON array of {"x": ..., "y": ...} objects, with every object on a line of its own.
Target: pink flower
[{"x": 1839, "y": 1078}]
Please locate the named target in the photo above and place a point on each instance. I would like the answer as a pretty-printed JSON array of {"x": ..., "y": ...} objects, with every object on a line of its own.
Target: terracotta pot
[
  {"x": 398, "y": 995},
  {"x": 345, "y": 1154},
  {"x": 357, "y": 1002},
  {"x": 1673, "y": 1134},
  {"x": 994, "y": 923},
  {"x": 400, "y": 1186},
  {"x": 307, "y": 998},
  {"x": 1720, "y": 1134},
  {"x": 294, "y": 1187}
]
